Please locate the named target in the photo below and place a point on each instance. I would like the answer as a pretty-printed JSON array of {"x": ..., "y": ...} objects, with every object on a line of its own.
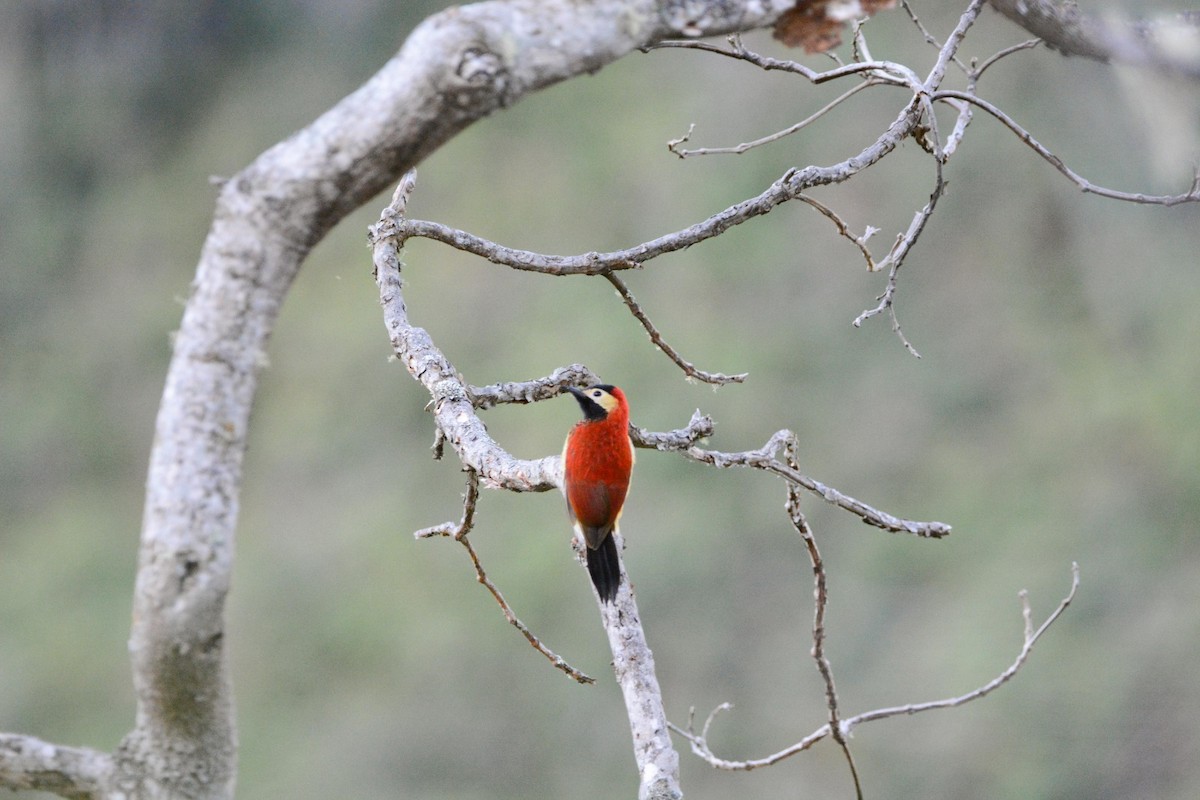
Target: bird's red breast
[{"x": 597, "y": 463}]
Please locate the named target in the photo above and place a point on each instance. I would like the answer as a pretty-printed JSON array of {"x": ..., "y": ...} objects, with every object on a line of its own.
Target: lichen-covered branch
[
  {"x": 702, "y": 749},
  {"x": 28, "y": 763},
  {"x": 1169, "y": 43},
  {"x": 766, "y": 458},
  {"x": 456, "y": 417}
]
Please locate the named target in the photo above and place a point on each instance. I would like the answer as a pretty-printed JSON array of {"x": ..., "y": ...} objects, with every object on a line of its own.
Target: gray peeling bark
[
  {"x": 455, "y": 68},
  {"x": 1168, "y": 43}
]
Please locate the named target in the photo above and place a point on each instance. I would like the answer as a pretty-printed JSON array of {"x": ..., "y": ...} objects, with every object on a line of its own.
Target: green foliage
[{"x": 1052, "y": 418}]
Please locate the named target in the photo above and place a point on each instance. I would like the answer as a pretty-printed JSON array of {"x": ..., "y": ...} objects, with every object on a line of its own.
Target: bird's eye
[{"x": 597, "y": 393}]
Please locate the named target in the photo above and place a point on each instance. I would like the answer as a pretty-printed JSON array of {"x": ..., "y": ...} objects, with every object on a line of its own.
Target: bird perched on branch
[{"x": 597, "y": 463}]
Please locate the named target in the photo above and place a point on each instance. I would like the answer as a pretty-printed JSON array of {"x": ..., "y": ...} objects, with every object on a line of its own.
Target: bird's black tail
[{"x": 604, "y": 565}]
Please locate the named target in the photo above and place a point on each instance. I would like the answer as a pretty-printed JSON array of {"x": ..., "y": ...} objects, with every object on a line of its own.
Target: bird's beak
[{"x": 576, "y": 391}]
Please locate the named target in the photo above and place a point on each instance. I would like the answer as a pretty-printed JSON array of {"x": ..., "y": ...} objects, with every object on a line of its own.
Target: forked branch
[
  {"x": 456, "y": 417},
  {"x": 766, "y": 458}
]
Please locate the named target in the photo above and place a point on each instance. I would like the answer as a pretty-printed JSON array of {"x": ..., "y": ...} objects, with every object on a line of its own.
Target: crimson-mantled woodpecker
[{"x": 597, "y": 462}]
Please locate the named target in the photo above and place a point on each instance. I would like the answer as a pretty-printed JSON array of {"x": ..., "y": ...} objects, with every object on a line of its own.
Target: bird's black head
[{"x": 596, "y": 401}]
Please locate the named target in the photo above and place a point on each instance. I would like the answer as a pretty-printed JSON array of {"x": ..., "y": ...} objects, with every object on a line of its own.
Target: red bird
[{"x": 597, "y": 463}]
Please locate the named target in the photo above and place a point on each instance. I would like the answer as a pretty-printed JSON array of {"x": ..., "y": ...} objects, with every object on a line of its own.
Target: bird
[{"x": 597, "y": 464}]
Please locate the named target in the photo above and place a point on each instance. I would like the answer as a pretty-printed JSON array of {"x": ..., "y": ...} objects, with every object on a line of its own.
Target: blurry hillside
[{"x": 1053, "y": 417}]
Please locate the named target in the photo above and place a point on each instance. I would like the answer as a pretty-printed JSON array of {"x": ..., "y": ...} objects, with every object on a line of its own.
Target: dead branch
[
  {"x": 455, "y": 415},
  {"x": 28, "y": 763},
  {"x": 1168, "y": 43},
  {"x": 689, "y": 369},
  {"x": 771, "y": 138},
  {"x": 1190, "y": 196},
  {"x": 820, "y": 600},
  {"x": 765, "y": 459},
  {"x": 458, "y": 531},
  {"x": 1030, "y": 639},
  {"x": 701, "y": 748}
]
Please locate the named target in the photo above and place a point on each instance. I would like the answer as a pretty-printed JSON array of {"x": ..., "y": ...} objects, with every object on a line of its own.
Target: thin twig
[
  {"x": 844, "y": 230},
  {"x": 995, "y": 683},
  {"x": 458, "y": 531},
  {"x": 765, "y": 459},
  {"x": 689, "y": 369},
  {"x": 1191, "y": 196},
  {"x": 948, "y": 50},
  {"x": 673, "y": 145},
  {"x": 554, "y": 658},
  {"x": 895, "y": 258},
  {"x": 978, "y": 71},
  {"x": 699, "y": 741},
  {"x": 820, "y": 601},
  {"x": 883, "y": 71},
  {"x": 929, "y": 37}
]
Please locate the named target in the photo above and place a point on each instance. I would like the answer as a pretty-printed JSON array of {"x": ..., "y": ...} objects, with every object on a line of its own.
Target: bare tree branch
[
  {"x": 1030, "y": 639},
  {"x": 929, "y": 37},
  {"x": 820, "y": 600},
  {"x": 1190, "y": 196},
  {"x": 844, "y": 231},
  {"x": 28, "y": 763},
  {"x": 701, "y": 748},
  {"x": 888, "y": 72},
  {"x": 1170, "y": 43},
  {"x": 455, "y": 415},
  {"x": 765, "y": 459},
  {"x": 458, "y": 531},
  {"x": 689, "y": 369},
  {"x": 456, "y": 68},
  {"x": 673, "y": 145},
  {"x": 451, "y": 404}
]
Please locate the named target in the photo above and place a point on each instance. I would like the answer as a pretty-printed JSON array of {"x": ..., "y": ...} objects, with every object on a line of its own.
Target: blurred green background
[{"x": 1053, "y": 418}]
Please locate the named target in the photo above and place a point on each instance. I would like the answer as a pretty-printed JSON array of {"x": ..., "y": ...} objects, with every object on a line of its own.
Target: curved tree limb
[
  {"x": 1192, "y": 195},
  {"x": 455, "y": 416},
  {"x": 699, "y": 740},
  {"x": 1169, "y": 44},
  {"x": 455, "y": 68}
]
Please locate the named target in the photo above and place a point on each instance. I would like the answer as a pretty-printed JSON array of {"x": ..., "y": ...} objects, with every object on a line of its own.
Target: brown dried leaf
[{"x": 816, "y": 25}]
